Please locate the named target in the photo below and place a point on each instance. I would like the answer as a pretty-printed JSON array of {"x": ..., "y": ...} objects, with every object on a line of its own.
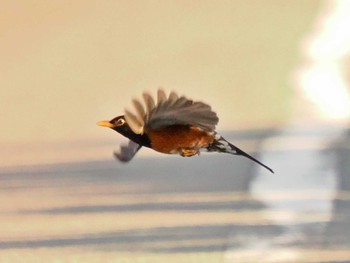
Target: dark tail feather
[
  {"x": 221, "y": 145},
  {"x": 240, "y": 152}
]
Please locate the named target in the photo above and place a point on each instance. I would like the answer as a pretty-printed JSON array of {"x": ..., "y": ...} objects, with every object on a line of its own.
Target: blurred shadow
[
  {"x": 178, "y": 239},
  {"x": 150, "y": 206},
  {"x": 337, "y": 233},
  {"x": 204, "y": 175}
]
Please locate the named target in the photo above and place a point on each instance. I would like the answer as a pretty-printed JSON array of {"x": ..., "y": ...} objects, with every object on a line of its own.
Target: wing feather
[
  {"x": 161, "y": 96},
  {"x": 133, "y": 122},
  {"x": 140, "y": 111},
  {"x": 150, "y": 105},
  {"x": 173, "y": 97},
  {"x": 172, "y": 110},
  {"x": 127, "y": 152}
]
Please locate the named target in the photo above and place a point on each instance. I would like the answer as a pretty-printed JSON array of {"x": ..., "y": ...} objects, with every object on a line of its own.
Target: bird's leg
[{"x": 188, "y": 152}]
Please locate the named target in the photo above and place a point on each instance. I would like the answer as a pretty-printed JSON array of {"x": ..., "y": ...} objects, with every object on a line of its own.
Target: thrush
[{"x": 172, "y": 125}]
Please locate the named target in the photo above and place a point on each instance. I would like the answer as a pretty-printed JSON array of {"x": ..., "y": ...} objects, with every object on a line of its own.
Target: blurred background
[{"x": 276, "y": 73}]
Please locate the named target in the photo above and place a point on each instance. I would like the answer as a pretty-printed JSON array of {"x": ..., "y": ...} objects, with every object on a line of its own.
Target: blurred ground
[{"x": 211, "y": 208}]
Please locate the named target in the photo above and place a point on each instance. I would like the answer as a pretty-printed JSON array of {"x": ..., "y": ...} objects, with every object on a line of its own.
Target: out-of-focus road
[{"x": 211, "y": 208}]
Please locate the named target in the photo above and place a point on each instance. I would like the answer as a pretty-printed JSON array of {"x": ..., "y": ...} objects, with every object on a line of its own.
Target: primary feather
[
  {"x": 127, "y": 152},
  {"x": 172, "y": 110}
]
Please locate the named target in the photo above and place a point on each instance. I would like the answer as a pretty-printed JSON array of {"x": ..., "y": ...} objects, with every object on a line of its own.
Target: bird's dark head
[{"x": 120, "y": 125}]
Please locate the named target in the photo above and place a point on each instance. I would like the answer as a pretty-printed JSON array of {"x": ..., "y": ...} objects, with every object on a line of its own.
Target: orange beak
[{"x": 105, "y": 124}]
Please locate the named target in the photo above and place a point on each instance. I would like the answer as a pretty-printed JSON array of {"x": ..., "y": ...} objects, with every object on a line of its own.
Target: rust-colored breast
[{"x": 176, "y": 138}]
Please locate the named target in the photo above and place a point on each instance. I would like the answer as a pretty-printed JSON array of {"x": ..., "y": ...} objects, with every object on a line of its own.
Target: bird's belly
[{"x": 177, "y": 139}]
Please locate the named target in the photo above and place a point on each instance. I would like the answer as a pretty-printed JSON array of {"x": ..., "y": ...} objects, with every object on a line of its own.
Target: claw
[{"x": 188, "y": 152}]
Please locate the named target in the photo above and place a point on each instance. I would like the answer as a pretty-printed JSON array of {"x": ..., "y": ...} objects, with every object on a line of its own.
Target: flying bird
[{"x": 173, "y": 125}]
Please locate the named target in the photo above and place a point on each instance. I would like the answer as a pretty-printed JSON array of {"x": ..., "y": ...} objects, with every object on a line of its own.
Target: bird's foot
[{"x": 188, "y": 152}]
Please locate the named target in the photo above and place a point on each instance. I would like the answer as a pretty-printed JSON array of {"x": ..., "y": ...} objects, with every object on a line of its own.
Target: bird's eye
[{"x": 120, "y": 122}]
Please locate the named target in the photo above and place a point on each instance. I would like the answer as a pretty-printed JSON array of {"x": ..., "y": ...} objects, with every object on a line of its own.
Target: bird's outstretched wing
[
  {"x": 127, "y": 152},
  {"x": 172, "y": 110}
]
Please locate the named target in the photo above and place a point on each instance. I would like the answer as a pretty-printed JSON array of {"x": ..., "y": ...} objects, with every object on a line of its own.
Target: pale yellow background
[{"x": 67, "y": 64}]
